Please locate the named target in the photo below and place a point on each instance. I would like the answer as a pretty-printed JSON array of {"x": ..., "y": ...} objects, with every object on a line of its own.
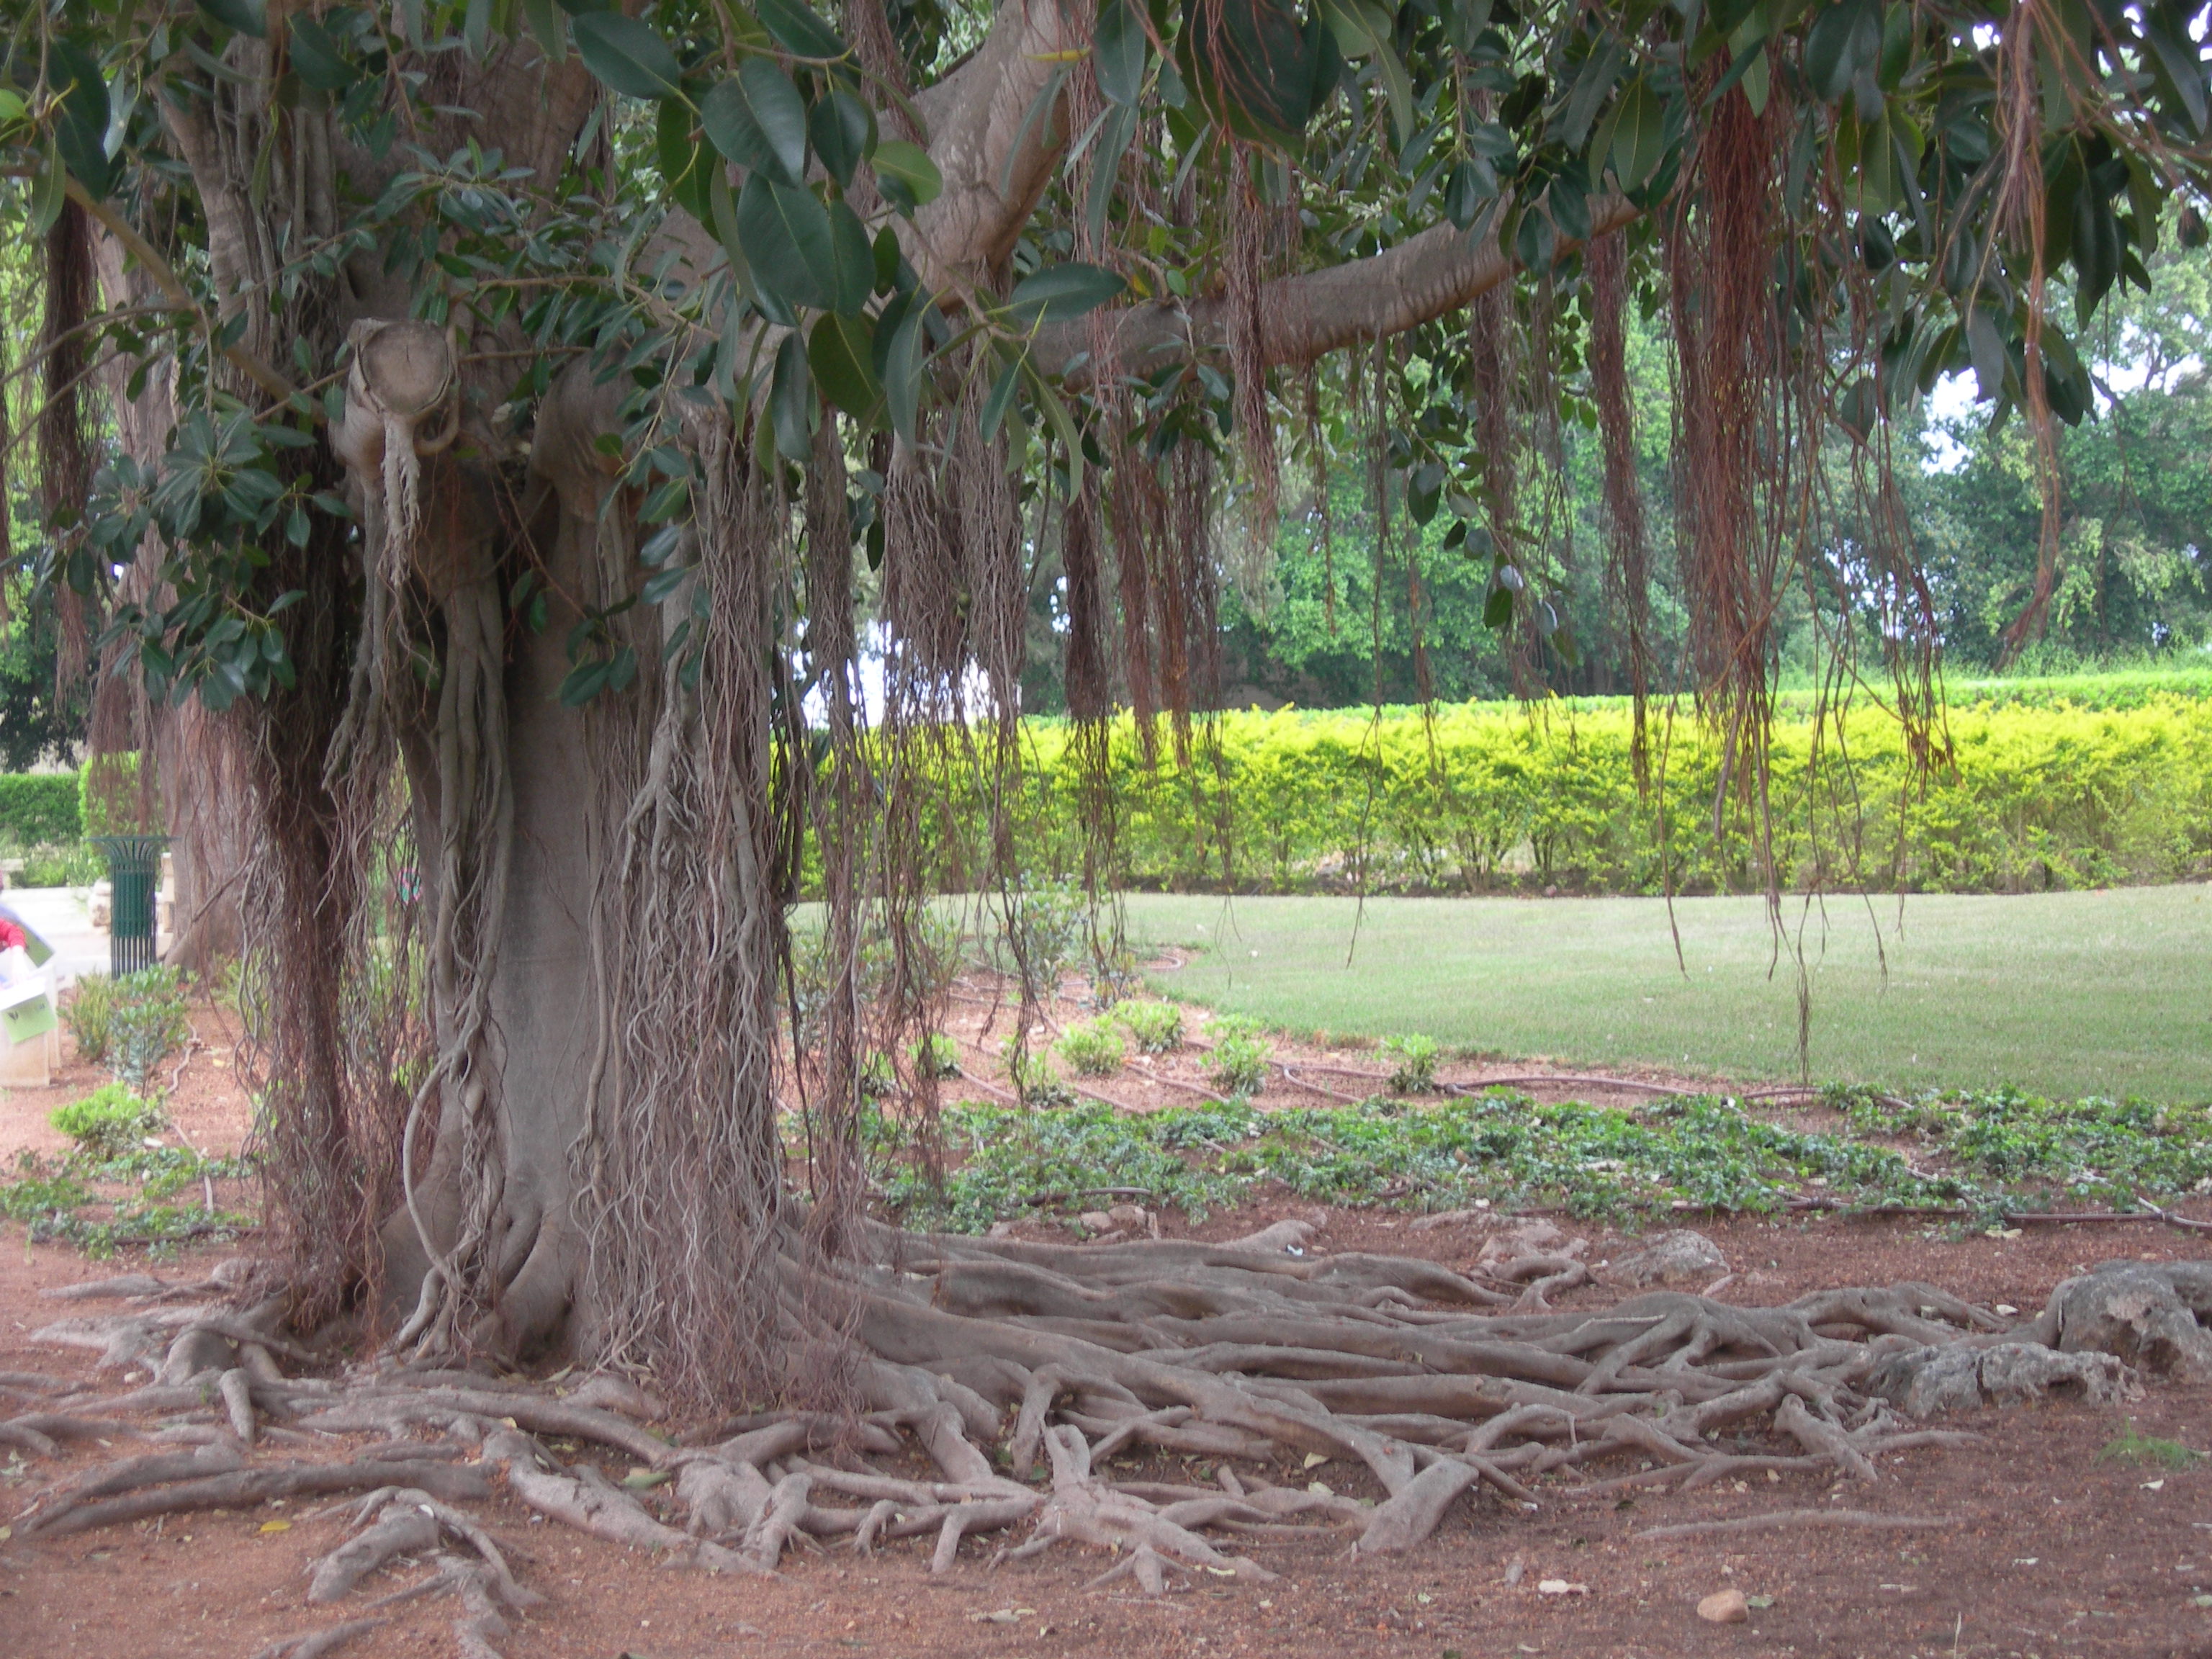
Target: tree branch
[
  {"x": 993, "y": 144},
  {"x": 1306, "y": 317},
  {"x": 172, "y": 287}
]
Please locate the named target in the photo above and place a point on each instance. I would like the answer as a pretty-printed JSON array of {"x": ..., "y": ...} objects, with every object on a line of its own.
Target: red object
[{"x": 10, "y": 934}]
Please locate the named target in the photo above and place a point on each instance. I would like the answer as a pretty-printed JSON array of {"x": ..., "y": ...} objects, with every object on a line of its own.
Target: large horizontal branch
[{"x": 1305, "y": 317}]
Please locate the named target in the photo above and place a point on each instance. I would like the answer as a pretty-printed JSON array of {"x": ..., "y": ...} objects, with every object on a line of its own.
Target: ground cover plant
[
  {"x": 1935, "y": 992},
  {"x": 1972, "y": 1159}
]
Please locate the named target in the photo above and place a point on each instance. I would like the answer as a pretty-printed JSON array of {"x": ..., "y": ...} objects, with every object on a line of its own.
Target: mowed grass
[{"x": 2063, "y": 995}]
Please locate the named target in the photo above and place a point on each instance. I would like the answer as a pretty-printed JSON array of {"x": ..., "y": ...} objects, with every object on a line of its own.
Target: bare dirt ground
[{"x": 2042, "y": 1546}]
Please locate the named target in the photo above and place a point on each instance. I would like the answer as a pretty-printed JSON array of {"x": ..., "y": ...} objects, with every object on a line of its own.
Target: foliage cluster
[
  {"x": 109, "y": 1122},
  {"x": 104, "y": 1204},
  {"x": 1237, "y": 1063},
  {"x": 1155, "y": 1027},
  {"x": 1095, "y": 1049},
  {"x": 131, "y": 1025},
  {"x": 39, "y": 806},
  {"x": 1698, "y": 1153},
  {"x": 1478, "y": 797}
]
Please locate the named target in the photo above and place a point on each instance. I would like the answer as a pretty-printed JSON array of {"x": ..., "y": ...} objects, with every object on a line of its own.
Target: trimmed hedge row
[
  {"x": 1489, "y": 796},
  {"x": 39, "y": 808}
]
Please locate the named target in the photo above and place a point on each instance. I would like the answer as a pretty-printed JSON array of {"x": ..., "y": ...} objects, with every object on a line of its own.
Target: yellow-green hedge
[{"x": 1486, "y": 796}]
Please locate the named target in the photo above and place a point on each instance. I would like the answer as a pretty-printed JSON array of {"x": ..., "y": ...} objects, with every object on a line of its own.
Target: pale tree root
[
  {"x": 315, "y": 1643},
  {"x": 1253, "y": 1355},
  {"x": 1866, "y": 1519}
]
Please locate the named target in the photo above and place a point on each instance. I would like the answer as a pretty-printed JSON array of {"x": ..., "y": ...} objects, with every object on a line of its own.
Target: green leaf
[
  {"x": 81, "y": 129},
  {"x": 1497, "y": 609},
  {"x": 627, "y": 55},
  {"x": 246, "y": 16},
  {"x": 844, "y": 131},
  {"x": 2178, "y": 65},
  {"x": 542, "y": 19},
  {"x": 1635, "y": 137},
  {"x": 798, "y": 30},
  {"x": 49, "y": 189},
  {"x": 584, "y": 682},
  {"x": 854, "y": 258},
  {"x": 791, "y": 400},
  {"x": 1002, "y": 394},
  {"x": 903, "y": 367},
  {"x": 905, "y": 174},
  {"x": 1114, "y": 140},
  {"x": 786, "y": 235},
  {"x": 839, "y": 353},
  {"x": 1118, "y": 52},
  {"x": 1059, "y": 293},
  {"x": 1363, "y": 30},
  {"x": 756, "y": 118},
  {"x": 316, "y": 56},
  {"x": 1845, "y": 38},
  {"x": 1600, "y": 71}
]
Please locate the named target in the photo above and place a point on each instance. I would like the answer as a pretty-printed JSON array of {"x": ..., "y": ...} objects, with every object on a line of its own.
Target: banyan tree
[{"x": 582, "y": 467}]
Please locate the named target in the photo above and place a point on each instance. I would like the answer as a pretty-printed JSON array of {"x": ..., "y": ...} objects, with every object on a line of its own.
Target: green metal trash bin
[{"x": 134, "y": 874}]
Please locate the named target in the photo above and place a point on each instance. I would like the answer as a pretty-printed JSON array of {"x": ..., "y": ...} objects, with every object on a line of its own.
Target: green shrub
[
  {"x": 61, "y": 864},
  {"x": 88, "y": 1014},
  {"x": 1413, "y": 1063},
  {"x": 1154, "y": 1027},
  {"x": 1040, "y": 930},
  {"x": 1093, "y": 1050},
  {"x": 1036, "y": 1081},
  {"x": 2038, "y": 791},
  {"x": 108, "y": 1123},
  {"x": 1237, "y": 1066},
  {"x": 937, "y": 1055},
  {"x": 39, "y": 808},
  {"x": 149, "y": 1021}
]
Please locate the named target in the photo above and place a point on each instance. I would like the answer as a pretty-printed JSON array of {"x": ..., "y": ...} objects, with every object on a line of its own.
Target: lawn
[{"x": 2058, "y": 993}]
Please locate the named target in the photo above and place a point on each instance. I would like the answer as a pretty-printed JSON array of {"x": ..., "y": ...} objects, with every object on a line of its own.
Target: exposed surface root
[
  {"x": 1430, "y": 1385},
  {"x": 1804, "y": 1518}
]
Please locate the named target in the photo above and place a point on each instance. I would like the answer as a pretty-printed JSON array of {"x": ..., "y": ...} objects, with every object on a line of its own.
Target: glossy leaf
[
  {"x": 839, "y": 353},
  {"x": 756, "y": 120},
  {"x": 905, "y": 173},
  {"x": 1059, "y": 293},
  {"x": 786, "y": 235},
  {"x": 843, "y": 129},
  {"x": 626, "y": 55},
  {"x": 1118, "y": 51},
  {"x": 798, "y": 30},
  {"x": 791, "y": 400},
  {"x": 246, "y": 16}
]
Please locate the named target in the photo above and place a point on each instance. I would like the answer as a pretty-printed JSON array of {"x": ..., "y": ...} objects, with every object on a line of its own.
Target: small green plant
[
  {"x": 1413, "y": 1063},
  {"x": 109, "y": 1122},
  {"x": 2136, "y": 1447},
  {"x": 1093, "y": 1050},
  {"x": 150, "y": 1021},
  {"x": 1237, "y": 1066},
  {"x": 1036, "y": 1083},
  {"x": 879, "y": 1077},
  {"x": 1154, "y": 1027},
  {"x": 1041, "y": 930},
  {"x": 88, "y": 1013},
  {"x": 64, "y": 864},
  {"x": 937, "y": 1055}
]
